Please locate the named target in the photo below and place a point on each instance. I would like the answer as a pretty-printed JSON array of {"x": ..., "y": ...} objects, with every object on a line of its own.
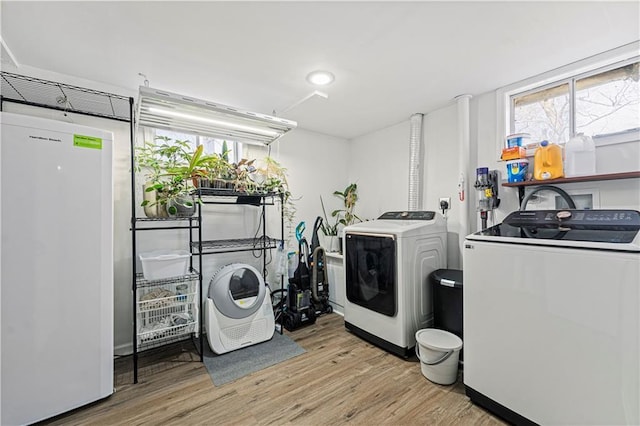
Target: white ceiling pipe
[
  {"x": 415, "y": 152},
  {"x": 463, "y": 167}
]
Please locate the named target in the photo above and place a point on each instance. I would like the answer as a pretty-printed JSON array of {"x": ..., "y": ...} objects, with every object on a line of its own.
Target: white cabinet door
[{"x": 335, "y": 275}]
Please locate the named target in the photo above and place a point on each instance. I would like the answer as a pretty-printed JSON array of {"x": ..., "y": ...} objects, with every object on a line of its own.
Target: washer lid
[
  {"x": 423, "y": 223},
  {"x": 603, "y": 229}
]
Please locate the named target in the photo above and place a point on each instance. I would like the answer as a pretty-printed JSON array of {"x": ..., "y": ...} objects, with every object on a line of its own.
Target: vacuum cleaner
[
  {"x": 307, "y": 293},
  {"x": 319, "y": 282}
]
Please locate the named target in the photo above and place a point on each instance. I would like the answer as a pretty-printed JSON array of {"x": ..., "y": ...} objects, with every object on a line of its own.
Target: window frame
[
  {"x": 236, "y": 147},
  {"x": 593, "y": 65}
]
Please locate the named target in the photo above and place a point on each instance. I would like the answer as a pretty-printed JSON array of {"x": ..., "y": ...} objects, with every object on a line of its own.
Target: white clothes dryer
[
  {"x": 387, "y": 263},
  {"x": 238, "y": 309}
]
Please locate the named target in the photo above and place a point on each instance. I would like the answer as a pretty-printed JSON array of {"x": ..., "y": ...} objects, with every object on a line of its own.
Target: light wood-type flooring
[{"x": 340, "y": 379}]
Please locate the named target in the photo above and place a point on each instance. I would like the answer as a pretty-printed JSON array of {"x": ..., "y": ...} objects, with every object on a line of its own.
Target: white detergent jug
[{"x": 580, "y": 156}]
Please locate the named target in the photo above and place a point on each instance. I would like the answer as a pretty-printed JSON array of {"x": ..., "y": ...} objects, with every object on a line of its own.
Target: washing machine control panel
[
  {"x": 577, "y": 219},
  {"x": 409, "y": 215}
]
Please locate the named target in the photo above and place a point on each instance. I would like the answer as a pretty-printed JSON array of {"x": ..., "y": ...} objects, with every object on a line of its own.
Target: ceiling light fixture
[
  {"x": 170, "y": 111},
  {"x": 320, "y": 78},
  {"x": 201, "y": 119}
]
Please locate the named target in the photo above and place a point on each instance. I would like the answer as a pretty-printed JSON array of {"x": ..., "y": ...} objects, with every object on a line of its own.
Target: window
[
  {"x": 544, "y": 114},
  {"x": 603, "y": 103},
  {"x": 211, "y": 145}
]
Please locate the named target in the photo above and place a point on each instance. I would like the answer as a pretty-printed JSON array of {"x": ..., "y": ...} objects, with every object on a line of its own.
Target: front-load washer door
[{"x": 370, "y": 268}]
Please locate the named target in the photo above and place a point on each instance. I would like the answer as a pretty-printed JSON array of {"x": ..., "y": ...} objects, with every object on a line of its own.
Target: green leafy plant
[
  {"x": 328, "y": 229},
  {"x": 173, "y": 169},
  {"x": 271, "y": 177},
  {"x": 170, "y": 167},
  {"x": 344, "y": 216},
  {"x": 349, "y": 198},
  {"x": 275, "y": 178}
]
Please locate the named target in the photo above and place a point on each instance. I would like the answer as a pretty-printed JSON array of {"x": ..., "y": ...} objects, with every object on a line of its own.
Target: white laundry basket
[
  {"x": 161, "y": 264},
  {"x": 438, "y": 352}
]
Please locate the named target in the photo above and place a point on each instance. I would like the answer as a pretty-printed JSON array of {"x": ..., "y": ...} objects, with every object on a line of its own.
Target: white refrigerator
[{"x": 56, "y": 285}]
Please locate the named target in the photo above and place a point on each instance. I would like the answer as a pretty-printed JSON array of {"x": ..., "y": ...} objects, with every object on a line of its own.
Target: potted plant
[
  {"x": 153, "y": 158},
  {"x": 170, "y": 167},
  {"x": 273, "y": 180},
  {"x": 330, "y": 230},
  {"x": 242, "y": 177},
  {"x": 349, "y": 198},
  {"x": 179, "y": 193},
  {"x": 344, "y": 216}
]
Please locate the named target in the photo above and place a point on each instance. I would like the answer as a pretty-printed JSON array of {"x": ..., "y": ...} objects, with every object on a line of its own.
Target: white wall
[
  {"x": 379, "y": 164},
  {"x": 317, "y": 166},
  {"x": 441, "y": 172}
]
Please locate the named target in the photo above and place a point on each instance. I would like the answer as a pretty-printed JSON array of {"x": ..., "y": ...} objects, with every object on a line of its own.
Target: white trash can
[{"x": 438, "y": 352}]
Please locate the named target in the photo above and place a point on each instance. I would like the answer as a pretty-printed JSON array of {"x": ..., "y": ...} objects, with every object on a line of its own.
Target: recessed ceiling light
[{"x": 320, "y": 78}]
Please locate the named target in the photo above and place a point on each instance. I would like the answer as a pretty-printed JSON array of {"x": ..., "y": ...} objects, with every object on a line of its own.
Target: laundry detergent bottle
[
  {"x": 547, "y": 162},
  {"x": 580, "y": 156}
]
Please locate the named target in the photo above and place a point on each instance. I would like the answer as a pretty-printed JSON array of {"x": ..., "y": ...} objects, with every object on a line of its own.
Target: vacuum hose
[
  {"x": 315, "y": 242},
  {"x": 318, "y": 254}
]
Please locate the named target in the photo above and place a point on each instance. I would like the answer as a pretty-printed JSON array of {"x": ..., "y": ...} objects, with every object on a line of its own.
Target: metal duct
[{"x": 415, "y": 152}]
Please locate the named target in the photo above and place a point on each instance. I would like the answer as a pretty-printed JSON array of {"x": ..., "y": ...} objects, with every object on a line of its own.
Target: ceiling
[{"x": 391, "y": 59}]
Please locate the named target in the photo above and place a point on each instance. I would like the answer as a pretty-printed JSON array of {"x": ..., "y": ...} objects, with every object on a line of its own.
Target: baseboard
[
  {"x": 123, "y": 350},
  {"x": 497, "y": 409}
]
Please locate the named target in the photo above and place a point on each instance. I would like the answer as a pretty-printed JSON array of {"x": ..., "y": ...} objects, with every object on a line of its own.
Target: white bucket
[{"x": 438, "y": 352}]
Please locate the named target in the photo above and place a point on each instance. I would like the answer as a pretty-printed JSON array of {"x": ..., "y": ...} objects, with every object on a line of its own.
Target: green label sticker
[{"x": 87, "y": 142}]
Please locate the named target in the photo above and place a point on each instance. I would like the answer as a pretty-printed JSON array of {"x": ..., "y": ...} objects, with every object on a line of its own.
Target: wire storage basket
[{"x": 166, "y": 312}]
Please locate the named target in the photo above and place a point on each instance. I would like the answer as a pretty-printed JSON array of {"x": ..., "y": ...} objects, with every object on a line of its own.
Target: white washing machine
[
  {"x": 552, "y": 317},
  {"x": 387, "y": 263}
]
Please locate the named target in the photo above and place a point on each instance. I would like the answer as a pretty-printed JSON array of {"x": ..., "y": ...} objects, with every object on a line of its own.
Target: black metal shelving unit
[
  {"x": 259, "y": 243},
  {"x": 143, "y": 339},
  {"x": 197, "y": 247}
]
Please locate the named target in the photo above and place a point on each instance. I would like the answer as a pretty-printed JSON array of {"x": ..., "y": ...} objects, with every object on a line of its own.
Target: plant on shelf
[
  {"x": 349, "y": 198},
  {"x": 222, "y": 172},
  {"x": 271, "y": 177},
  {"x": 344, "y": 216},
  {"x": 326, "y": 228},
  {"x": 170, "y": 168},
  {"x": 243, "y": 173},
  {"x": 275, "y": 178}
]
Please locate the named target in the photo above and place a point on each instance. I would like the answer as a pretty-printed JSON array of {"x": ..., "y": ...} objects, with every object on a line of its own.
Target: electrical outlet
[{"x": 445, "y": 203}]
